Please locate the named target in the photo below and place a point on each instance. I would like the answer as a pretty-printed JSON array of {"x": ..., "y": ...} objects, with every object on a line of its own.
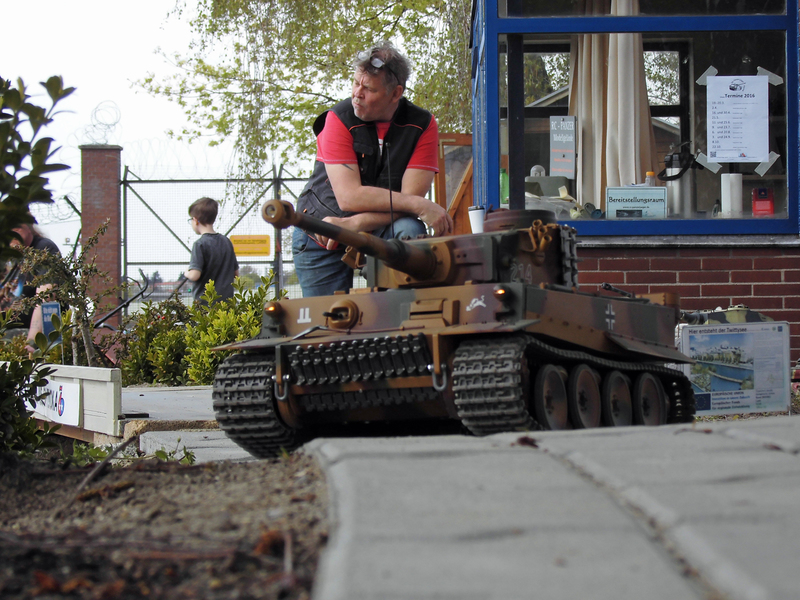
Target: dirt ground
[
  {"x": 159, "y": 530},
  {"x": 162, "y": 530}
]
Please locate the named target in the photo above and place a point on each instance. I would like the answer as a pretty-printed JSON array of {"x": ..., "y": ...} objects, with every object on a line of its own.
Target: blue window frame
[{"x": 490, "y": 31}]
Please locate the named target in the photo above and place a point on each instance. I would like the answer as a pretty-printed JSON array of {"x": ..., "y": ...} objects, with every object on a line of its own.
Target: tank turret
[
  {"x": 530, "y": 248},
  {"x": 489, "y": 331}
]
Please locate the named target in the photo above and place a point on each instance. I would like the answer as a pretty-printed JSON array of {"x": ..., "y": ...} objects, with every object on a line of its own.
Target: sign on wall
[
  {"x": 62, "y": 404},
  {"x": 562, "y": 146},
  {"x": 738, "y": 119},
  {"x": 250, "y": 245},
  {"x": 740, "y": 368}
]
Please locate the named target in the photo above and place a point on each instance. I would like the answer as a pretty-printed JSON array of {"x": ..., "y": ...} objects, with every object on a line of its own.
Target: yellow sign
[{"x": 250, "y": 245}]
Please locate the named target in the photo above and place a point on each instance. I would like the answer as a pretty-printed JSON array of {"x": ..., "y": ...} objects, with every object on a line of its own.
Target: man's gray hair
[{"x": 396, "y": 68}]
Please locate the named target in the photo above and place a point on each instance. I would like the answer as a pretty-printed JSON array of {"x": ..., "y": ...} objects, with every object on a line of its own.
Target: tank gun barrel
[{"x": 418, "y": 262}]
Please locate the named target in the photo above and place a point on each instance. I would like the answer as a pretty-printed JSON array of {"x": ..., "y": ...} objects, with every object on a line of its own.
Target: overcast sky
[{"x": 102, "y": 47}]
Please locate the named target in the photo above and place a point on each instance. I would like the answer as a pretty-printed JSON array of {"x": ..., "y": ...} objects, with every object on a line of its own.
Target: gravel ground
[{"x": 162, "y": 530}]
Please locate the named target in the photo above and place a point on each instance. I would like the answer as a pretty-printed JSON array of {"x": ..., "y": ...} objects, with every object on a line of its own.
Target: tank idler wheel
[
  {"x": 583, "y": 397},
  {"x": 616, "y": 399},
  {"x": 550, "y": 398},
  {"x": 649, "y": 401}
]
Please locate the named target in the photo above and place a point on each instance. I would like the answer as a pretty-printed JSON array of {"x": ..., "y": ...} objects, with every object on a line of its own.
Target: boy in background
[{"x": 213, "y": 258}]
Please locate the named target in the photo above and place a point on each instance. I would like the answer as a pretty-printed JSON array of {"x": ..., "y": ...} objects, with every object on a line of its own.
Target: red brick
[
  {"x": 777, "y": 262},
  {"x": 791, "y": 276},
  {"x": 793, "y": 317},
  {"x": 704, "y": 252},
  {"x": 778, "y": 289},
  {"x": 650, "y": 277},
  {"x": 758, "y": 303},
  {"x": 684, "y": 291},
  {"x": 676, "y": 264},
  {"x": 588, "y": 264},
  {"x": 770, "y": 251},
  {"x": 599, "y": 277},
  {"x": 728, "y": 264},
  {"x": 625, "y": 264},
  {"x": 586, "y": 252},
  {"x": 726, "y": 290},
  {"x": 704, "y": 277},
  {"x": 704, "y": 303},
  {"x": 100, "y": 200},
  {"x": 791, "y": 302},
  {"x": 756, "y": 277}
]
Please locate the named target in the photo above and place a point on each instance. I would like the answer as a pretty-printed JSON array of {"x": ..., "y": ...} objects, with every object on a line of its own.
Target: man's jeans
[{"x": 321, "y": 272}]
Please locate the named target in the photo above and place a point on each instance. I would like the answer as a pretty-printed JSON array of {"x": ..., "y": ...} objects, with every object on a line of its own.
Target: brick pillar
[{"x": 100, "y": 200}]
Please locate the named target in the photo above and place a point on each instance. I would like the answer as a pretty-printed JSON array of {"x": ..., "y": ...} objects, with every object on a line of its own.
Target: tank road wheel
[
  {"x": 649, "y": 401},
  {"x": 616, "y": 398},
  {"x": 245, "y": 406},
  {"x": 583, "y": 397},
  {"x": 550, "y": 407}
]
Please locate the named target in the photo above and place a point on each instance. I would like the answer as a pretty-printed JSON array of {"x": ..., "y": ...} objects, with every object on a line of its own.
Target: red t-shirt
[{"x": 335, "y": 144}]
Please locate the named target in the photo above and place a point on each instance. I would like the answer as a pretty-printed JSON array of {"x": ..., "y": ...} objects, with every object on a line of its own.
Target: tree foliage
[
  {"x": 24, "y": 168},
  {"x": 259, "y": 71},
  {"x": 24, "y": 155}
]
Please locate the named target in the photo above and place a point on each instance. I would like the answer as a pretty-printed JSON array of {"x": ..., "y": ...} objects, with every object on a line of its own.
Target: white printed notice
[
  {"x": 739, "y": 368},
  {"x": 738, "y": 119}
]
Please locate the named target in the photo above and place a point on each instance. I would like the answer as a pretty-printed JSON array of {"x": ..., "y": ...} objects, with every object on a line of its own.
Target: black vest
[{"x": 409, "y": 122}]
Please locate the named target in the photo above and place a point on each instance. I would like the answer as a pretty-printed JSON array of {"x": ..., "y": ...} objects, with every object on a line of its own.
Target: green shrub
[
  {"x": 20, "y": 384},
  {"x": 232, "y": 320},
  {"x": 152, "y": 322},
  {"x": 25, "y": 164},
  {"x": 169, "y": 343}
]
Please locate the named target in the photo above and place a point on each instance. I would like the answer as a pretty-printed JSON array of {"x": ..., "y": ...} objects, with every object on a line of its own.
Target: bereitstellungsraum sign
[
  {"x": 62, "y": 404},
  {"x": 739, "y": 368}
]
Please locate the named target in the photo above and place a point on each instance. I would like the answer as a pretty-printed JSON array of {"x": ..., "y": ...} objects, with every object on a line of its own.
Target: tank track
[
  {"x": 245, "y": 407},
  {"x": 489, "y": 376},
  {"x": 360, "y": 360},
  {"x": 488, "y": 382},
  {"x": 366, "y": 398}
]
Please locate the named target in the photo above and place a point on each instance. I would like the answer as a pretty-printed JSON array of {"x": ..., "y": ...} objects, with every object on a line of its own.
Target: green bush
[
  {"x": 148, "y": 329},
  {"x": 20, "y": 382},
  {"x": 171, "y": 344},
  {"x": 25, "y": 164}
]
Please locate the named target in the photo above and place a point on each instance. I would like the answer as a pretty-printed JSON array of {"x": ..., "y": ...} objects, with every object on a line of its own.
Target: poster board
[
  {"x": 636, "y": 202},
  {"x": 739, "y": 368}
]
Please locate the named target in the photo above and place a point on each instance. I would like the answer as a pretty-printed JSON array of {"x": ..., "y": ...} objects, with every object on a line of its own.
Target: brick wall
[
  {"x": 766, "y": 279},
  {"x": 100, "y": 200}
]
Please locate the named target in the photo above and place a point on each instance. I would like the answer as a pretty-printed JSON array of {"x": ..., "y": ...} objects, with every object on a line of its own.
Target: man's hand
[{"x": 435, "y": 217}]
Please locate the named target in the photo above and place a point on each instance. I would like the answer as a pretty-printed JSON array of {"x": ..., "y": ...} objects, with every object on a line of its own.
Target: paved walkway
[{"x": 673, "y": 512}]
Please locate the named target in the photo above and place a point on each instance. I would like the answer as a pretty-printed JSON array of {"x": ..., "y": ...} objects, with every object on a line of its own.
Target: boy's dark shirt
[{"x": 214, "y": 257}]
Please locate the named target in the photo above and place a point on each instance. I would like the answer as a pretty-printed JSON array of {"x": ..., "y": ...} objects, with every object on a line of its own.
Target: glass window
[
  {"x": 571, "y": 8},
  {"x": 647, "y": 110}
]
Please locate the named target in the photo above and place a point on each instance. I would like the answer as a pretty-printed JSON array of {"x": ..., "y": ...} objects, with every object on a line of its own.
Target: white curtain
[{"x": 608, "y": 94}]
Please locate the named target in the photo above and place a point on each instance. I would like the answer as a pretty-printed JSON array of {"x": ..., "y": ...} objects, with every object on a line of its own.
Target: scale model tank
[{"x": 489, "y": 330}]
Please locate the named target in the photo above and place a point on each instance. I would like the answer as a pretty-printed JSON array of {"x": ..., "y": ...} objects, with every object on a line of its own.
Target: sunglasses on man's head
[{"x": 376, "y": 62}]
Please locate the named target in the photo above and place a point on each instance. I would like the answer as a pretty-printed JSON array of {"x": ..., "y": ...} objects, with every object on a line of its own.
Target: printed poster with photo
[{"x": 739, "y": 368}]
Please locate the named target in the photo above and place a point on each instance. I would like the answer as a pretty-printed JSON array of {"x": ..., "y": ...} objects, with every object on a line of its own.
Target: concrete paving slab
[
  {"x": 485, "y": 522},
  {"x": 207, "y": 446},
  {"x": 168, "y": 403},
  {"x": 669, "y": 512}
]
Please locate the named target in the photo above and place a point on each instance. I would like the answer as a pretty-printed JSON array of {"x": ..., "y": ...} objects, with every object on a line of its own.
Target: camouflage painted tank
[{"x": 486, "y": 329}]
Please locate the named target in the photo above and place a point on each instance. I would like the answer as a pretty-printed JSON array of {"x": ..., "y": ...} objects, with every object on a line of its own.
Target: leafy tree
[
  {"x": 260, "y": 71},
  {"x": 24, "y": 155},
  {"x": 24, "y": 167}
]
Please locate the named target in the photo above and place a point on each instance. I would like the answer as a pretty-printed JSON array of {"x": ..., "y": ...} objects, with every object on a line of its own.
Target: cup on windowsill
[{"x": 476, "y": 214}]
